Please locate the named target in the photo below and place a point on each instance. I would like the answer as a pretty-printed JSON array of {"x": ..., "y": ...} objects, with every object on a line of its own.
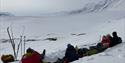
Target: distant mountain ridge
[
  {"x": 101, "y": 5},
  {"x": 92, "y": 6},
  {"x": 6, "y": 14}
]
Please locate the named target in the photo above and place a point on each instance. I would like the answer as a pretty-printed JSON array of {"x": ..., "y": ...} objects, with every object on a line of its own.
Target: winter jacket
[
  {"x": 106, "y": 41},
  {"x": 115, "y": 40},
  {"x": 34, "y": 57},
  {"x": 71, "y": 54}
]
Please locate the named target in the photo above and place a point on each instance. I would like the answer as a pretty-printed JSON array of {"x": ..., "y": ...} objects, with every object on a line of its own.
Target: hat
[
  {"x": 29, "y": 50},
  {"x": 114, "y": 33}
]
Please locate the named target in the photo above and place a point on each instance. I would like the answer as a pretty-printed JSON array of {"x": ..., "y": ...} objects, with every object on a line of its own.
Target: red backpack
[{"x": 34, "y": 58}]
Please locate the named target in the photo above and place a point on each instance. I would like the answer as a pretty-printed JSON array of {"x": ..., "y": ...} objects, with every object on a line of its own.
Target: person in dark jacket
[
  {"x": 115, "y": 40},
  {"x": 71, "y": 53}
]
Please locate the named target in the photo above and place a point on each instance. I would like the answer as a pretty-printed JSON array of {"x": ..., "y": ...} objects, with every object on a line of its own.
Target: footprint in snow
[
  {"x": 119, "y": 50},
  {"x": 124, "y": 56},
  {"x": 105, "y": 54},
  {"x": 90, "y": 59},
  {"x": 121, "y": 56}
]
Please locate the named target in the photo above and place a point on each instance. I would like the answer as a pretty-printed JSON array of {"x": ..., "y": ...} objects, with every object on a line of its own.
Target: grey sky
[{"x": 34, "y": 7}]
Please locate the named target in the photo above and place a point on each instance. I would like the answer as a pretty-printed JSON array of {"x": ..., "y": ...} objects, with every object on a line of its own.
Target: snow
[
  {"x": 78, "y": 29},
  {"x": 117, "y": 5},
  {"x": 111, "y": 55}
]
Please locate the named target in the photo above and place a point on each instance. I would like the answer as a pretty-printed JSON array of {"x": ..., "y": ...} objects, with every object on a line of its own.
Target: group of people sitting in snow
[
  {"x": 73, "y": 53},
  {"x": 109, "y": 41}
]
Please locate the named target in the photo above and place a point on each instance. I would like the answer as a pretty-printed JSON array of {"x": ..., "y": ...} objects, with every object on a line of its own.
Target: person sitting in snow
[
  {"x": 106, "y": 41},
  {"x": 109, "y": 37},
  {"x": 115, "y": 40},
  {"x": 31, "y": 56},
  {"x": 70, "y": 54}
]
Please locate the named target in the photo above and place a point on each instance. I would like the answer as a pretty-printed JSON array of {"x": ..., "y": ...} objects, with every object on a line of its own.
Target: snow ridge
[
  {"x": 6, "y": 14},
  {"x": 89, "y": 7}
]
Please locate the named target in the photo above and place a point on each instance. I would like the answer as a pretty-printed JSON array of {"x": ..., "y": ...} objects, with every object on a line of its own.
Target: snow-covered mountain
[
  {"x": 6, "y": 14},
  {"x": 80, "y": 27},
  {"x": 94, "y": 6},
  {"x": 18, "y": 8},
  {"x": 117, "y": 5}
]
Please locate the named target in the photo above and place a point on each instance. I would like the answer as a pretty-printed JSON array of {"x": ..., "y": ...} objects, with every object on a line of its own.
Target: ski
[{"x": 12, "y": 43}]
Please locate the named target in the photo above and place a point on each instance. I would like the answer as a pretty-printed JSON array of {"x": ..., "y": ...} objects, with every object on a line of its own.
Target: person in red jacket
[
  {"x": 31, "y": 57},
  {"x": 106, "y": 41},
  {"x": 109, "y": 38}
]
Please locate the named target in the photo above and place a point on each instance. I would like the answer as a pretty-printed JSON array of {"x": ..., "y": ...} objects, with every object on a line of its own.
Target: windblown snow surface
[{"x": 80, "y": 29}]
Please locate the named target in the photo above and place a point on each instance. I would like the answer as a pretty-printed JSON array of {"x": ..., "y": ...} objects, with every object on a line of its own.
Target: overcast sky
[{"x": 34, "y": 7}]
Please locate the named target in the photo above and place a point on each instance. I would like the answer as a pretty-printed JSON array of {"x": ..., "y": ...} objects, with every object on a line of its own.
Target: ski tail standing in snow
[
  {"x": 115, "y": 40},
  {"x": 31, "y": 56}
]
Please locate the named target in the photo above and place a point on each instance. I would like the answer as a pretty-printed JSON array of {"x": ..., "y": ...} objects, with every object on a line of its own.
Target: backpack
[{"x": 7, "y": 58}]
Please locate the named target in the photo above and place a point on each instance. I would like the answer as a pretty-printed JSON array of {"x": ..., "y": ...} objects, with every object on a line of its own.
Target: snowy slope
[
  {"x": 94, "y": 6},
  {"x": 30, "y": 8},
  {"x": 79, "y": 29},
  {"x": 41, "y": 28},
  {"x": 57, "y": 7},
  {"x": 117, "y": 5},
  {"x": 111, "y": 55}
]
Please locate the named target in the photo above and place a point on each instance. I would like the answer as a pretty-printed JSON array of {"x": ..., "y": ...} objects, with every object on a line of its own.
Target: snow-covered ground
[
  {"x": 78, "y": 29},
  {"x": 111, "y": 55}
]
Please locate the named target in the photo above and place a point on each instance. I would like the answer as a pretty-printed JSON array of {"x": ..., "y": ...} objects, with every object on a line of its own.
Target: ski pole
[
  {"x": 24, "y": 43},
  {"x": 19, "y": 45},
  {"x": 11, "y": 42}
]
